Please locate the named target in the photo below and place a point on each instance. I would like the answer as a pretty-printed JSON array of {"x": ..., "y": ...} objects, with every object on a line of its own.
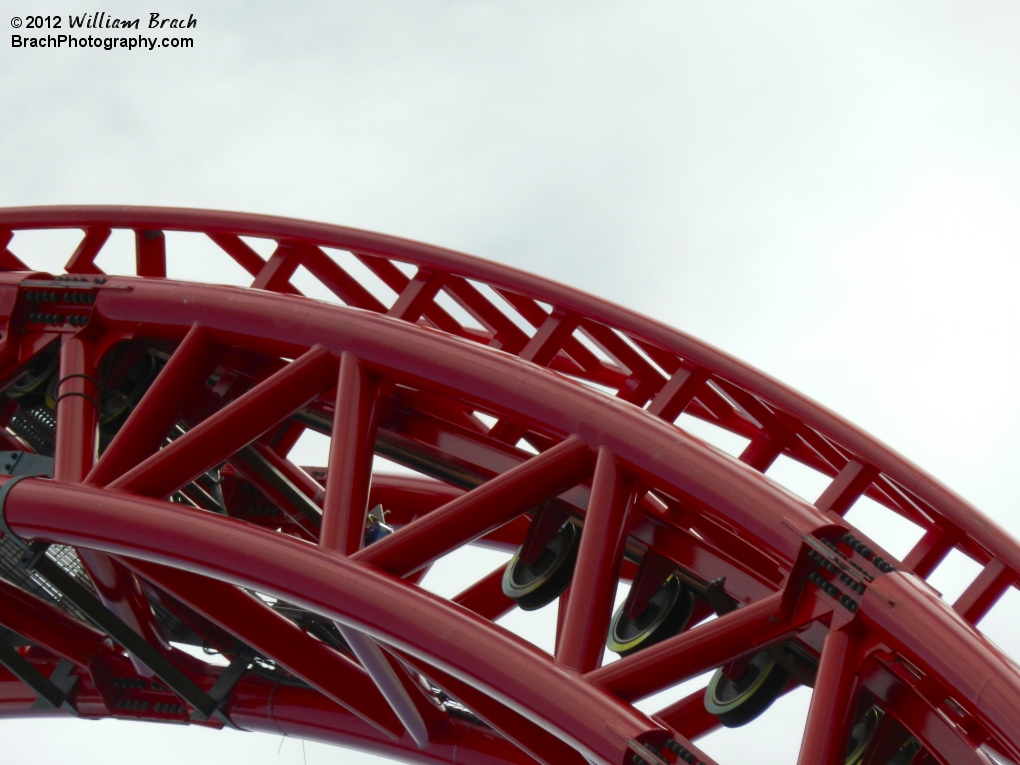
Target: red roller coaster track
[{"x": 149, "y": 501}]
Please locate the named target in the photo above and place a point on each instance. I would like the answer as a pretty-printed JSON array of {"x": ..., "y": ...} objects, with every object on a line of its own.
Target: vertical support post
[
  {"x": 350, "y": 459},
  {"x": 150, "y": 252},
  {"x": 77, "y": 395},
  {"x": 343, "y": 521},
  {"x": 828, "y": 720},
  {"x": 599, "y": 558}
]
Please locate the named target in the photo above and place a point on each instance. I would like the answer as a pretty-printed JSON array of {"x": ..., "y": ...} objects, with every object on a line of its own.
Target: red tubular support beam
[
  {"x": 828, "y": 721},
  {"x": 984, "y": 591},
  {"x": 481, "y": 510},
  {"x": 690, "y": 653},
  {"x": 531, "y": 738},
  {"x": 250, "y": 462},
  {"x": 985, "y": 682},
  {"x": 486, "y": 597},
  {"x": 48, "y": 626},
  {"x": 423, "y": 625},
  {"x": 350, "y": 459},
  {"x": 155, "y": 414},
  {"x": 688, "y": 717},
  {"x": 259, "y": 705},
  {"x": 77, "y": 396},
  {"x": 277, "y": 638},
  {"x": 150, "y": 252},
  {"x": 83, "y": 259},
  {"x": 583, "y": 630},
  {"x": 237, "y": 424}
]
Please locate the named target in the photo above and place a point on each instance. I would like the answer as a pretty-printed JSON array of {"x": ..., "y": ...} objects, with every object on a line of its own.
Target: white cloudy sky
[{"x": 829, "y": 191}]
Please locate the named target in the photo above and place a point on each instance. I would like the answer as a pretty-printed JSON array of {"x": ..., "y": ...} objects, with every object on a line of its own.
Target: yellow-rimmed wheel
[
  {"x": 537, "y": 584},
  {"x": 667, "y": 613},
  {"x": 737, "y": 702},
  {"x": 861, "y": 736},
  {"x": 39, "y": 371}
]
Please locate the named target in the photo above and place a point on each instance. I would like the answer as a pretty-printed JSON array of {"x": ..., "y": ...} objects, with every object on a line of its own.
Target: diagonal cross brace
[{"x": 54, "y": 692}]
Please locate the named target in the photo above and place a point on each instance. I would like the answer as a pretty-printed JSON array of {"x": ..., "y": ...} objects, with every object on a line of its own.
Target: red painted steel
[
  {"x": 151, "y": 420},
  {"x": 594, "y": 722},
  {"x": 350, "y": 459},
  {"x": 580, "y": 642},
  {"x": 832, "y": 698},
  {"x": 474, "y": 514},
  {"x": 691, "y": 653},
  {"x": 418, "y": 375},
  {"x": 233, "y": 427}
]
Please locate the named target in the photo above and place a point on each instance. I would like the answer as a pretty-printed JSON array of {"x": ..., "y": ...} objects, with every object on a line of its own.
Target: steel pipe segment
[{"x": 534, "y": 420}]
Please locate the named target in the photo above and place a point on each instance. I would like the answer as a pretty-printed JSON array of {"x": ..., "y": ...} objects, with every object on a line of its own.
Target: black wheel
[
  {"x": 539, "y": 584},
  {"x": 864, "y": 733},
  {"x": 37, "y": 375},
  {"x": 668, "y": 612},
  {"x": 861, "y": 735},
  {"x": 120, "y": 397},
  {"x": 737, "y": 703}
]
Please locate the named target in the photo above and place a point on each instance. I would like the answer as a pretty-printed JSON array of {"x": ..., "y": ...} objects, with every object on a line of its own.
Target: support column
[{"x": 828, "y": 720}]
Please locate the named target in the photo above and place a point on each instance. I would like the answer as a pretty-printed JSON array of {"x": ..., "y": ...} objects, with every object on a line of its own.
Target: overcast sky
[{"x": 830, "y": 191}]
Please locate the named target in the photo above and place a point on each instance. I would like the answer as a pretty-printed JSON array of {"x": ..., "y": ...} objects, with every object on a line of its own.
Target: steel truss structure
[{"x": 150, "y": 502}]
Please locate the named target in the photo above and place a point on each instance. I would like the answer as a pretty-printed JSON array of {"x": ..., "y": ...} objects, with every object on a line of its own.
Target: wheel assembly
[
  {"x": 667, "y": 613},
  {"x": 736, "y": 700},
  {"x": 150, "y": 501},
  {"x": 534, "y": 585}
]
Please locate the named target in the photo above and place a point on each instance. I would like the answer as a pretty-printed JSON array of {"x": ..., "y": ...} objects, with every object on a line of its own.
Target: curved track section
[{"x": 151, "y": 504}]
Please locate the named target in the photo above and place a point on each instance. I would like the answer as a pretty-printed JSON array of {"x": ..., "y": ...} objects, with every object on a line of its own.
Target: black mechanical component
[
  {"x": 120, "y": 390},
  {"x": 684, "y": 754},
  {"x": 851, "y": 583},
  {"x": 718, "y": 598},
  {"x": 859, "y": 547},
  {"x": 907, "y": 753},
  {"x": 376, "y": 528},
  {"x": 667, "y": 613},
  {"x": 861, "y": 736},
  {"x": 832, "y": 590},
  {"x": 737, "y": 702},
  {"x": 224, "y": 685},
  {"x": 25, "y": 463},
  {"x": 55, "y": 692},
  {"x": 35, "y": 559},
  {"x": 298, "y": 501},
  {"x": 36, "y": 425},
  {"x": 538, "y": 584},
  {"x": 37, "y": 375}
]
